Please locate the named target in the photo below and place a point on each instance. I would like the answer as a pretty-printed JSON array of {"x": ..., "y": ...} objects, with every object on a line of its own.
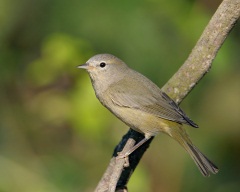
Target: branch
[
  {"x": 200, "y": 60},
  {"x": 195, "y": 67}
]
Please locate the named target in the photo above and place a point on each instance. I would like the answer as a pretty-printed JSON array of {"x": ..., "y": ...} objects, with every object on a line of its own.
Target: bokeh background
[{"x": 54, "y": 134}]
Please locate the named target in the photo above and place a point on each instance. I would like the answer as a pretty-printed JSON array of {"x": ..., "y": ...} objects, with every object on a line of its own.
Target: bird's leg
[{"x": 125, "y": 155}]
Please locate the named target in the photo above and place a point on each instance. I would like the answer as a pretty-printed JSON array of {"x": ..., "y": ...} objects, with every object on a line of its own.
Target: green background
[{"x": 54, "y": 134}]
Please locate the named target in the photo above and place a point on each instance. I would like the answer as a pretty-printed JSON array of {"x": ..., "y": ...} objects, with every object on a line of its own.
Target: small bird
[{"x": 141, "y": 105}]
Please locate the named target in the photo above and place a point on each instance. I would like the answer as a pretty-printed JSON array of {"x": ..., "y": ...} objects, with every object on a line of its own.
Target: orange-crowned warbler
[{"x": 141, "y": 104}]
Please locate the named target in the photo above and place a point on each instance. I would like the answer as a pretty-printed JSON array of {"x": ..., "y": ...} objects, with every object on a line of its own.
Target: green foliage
[{"x": 56, "y": 136}]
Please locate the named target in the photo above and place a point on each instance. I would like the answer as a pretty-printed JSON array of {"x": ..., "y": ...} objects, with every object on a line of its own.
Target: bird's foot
[{"x": 124, "y": 156}]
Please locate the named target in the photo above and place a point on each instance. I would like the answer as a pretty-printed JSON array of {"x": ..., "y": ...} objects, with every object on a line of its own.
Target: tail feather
[{"x": 204, "y": 164}]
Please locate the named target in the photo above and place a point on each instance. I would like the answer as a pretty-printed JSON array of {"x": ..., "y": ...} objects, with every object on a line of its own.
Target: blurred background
[{"x": 54, "y": 134}]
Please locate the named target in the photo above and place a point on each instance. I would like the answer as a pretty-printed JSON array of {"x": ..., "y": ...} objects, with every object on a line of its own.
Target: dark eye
[{"x": 102, "y": 64}]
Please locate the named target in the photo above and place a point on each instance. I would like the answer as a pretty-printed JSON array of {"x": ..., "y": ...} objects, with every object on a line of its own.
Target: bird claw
[{"x": 125, "y": 157}]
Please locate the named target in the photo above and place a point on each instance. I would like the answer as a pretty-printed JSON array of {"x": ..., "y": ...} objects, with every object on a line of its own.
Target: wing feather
[{"x": 154, "y": 101}]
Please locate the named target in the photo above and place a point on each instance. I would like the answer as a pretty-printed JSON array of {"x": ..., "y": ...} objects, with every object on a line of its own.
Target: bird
[{"x": 142, "y": 105}]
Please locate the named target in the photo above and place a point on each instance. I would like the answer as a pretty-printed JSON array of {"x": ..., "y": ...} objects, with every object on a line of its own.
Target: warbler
[{"x": 142, "y": 105}]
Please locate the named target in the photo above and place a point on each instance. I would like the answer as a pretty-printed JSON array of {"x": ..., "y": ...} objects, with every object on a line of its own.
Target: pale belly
[{"x": 142, "y": 122}]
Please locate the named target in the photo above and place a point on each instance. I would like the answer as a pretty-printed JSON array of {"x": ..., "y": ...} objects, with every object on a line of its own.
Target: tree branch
[{"x": 195, "y": 67}]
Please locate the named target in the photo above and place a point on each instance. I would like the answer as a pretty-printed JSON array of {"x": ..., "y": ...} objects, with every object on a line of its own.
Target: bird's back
[{"x": 136, "y": 91}]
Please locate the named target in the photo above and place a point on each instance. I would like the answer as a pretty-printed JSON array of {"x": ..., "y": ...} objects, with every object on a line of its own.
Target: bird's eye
[{"x": 102, "y": 65}]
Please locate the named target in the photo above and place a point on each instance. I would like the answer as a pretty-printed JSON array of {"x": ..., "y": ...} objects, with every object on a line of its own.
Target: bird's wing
[{"x": 159, "y": 104}]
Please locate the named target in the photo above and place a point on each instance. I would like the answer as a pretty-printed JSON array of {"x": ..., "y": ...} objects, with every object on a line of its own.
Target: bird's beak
[{"x": 83, "y": 66}]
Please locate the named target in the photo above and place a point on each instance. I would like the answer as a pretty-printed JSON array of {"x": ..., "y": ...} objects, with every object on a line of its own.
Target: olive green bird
[{"x": 141, "y": 105}]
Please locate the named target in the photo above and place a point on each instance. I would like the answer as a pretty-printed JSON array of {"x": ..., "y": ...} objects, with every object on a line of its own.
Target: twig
[{"x": 195, "y": 67}]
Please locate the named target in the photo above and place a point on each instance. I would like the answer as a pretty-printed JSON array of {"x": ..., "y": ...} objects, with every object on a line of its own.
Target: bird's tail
[{"x": 203, "y": 163}]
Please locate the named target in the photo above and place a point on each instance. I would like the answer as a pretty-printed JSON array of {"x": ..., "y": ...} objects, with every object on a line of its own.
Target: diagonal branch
[
  {"x": 195, "y": 67},
  {"x": 200, "y": 60}
]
